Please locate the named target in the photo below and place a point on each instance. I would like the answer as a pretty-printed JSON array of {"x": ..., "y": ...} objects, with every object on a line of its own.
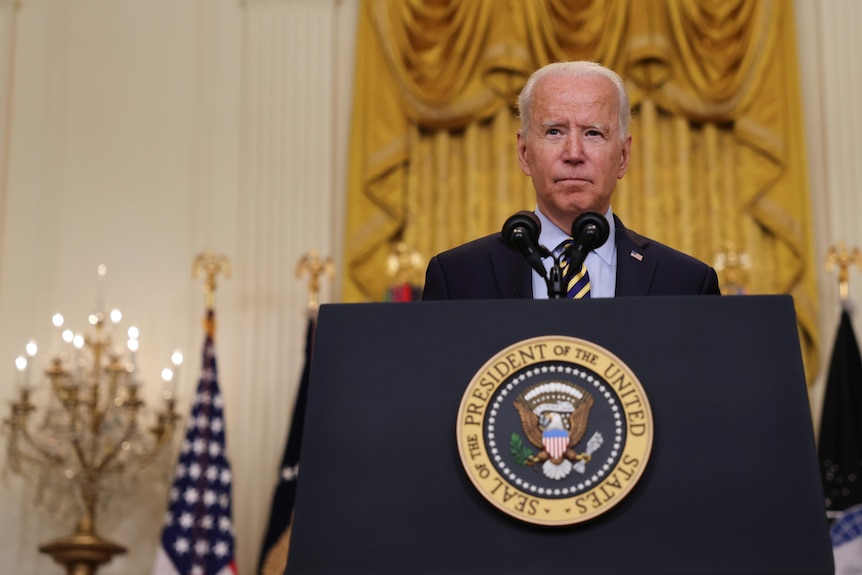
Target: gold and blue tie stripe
[{"x": 577, "y": 281}]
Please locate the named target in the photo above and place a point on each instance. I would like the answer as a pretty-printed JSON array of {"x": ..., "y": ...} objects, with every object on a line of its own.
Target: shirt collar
[{"x": 551, "y": 236}]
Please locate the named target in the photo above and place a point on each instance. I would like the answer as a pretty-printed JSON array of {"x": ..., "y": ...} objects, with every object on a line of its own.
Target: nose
[{"x": 573, "y": 149}]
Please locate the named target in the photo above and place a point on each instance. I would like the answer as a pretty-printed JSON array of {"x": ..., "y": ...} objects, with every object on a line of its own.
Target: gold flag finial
[
  {"x": 210, "y": 265},
  {"x": 735, "y": 266},
  {"x": 838, "y": 256},
  {"x": 315, "y": 267},
  {"x": 403, "y": 264}
]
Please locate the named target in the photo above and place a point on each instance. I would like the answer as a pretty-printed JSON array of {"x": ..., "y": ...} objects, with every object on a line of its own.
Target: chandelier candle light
[{"x": 91, "y": 439}]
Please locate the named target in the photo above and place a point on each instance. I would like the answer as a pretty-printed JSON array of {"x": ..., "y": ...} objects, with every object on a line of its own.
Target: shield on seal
[{"x": 556, "y": 441}]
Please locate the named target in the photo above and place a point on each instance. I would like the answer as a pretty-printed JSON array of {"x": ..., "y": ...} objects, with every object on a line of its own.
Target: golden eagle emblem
[{"x": 554, "y": 417}]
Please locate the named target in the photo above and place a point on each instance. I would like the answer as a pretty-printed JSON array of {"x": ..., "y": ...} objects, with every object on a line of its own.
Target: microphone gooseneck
[
  {"x": 521, "y": 233},
  {"x": 589, "y": 231}
]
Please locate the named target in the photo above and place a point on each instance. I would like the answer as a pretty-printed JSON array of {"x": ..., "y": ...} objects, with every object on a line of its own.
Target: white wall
[{"x": 138, "y": 133}]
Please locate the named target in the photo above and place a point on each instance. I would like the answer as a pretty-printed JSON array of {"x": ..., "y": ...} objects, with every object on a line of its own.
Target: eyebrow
[
  {"x": 594, "y": 126},
  {"x": 600, "y": 127}
]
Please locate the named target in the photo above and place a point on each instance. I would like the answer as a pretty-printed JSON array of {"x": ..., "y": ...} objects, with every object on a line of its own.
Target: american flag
[{"x": 198, "y": 537}]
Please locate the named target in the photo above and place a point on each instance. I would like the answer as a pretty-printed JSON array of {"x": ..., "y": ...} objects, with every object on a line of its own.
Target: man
[{"x": 574, "y": 143}]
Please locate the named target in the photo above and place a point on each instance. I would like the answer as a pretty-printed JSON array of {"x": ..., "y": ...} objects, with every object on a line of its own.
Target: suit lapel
[
  {"x": 513, "y": 274},
  {"x": 635, "y": 269}
]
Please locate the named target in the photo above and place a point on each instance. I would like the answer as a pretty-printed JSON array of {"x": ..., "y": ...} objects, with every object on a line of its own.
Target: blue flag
[
  {"x": 273, "y": 557},
  {"x": 840, "y": 448}
]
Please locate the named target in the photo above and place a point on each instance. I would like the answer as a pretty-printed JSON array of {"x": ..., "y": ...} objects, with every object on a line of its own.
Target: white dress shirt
[{"x": 601, "y": 262}]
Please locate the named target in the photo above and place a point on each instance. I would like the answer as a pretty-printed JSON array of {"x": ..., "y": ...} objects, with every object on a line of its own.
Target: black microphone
[
  {"x": 521, "y": 233},
  {"x": 589, "y": 231}
]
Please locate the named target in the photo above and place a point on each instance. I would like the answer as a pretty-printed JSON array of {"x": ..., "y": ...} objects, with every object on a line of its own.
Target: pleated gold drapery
[{"x": 717, "y": 153}]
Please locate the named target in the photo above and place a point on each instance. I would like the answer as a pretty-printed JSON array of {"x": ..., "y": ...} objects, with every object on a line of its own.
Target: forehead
[{"x": 580, "y": 99}]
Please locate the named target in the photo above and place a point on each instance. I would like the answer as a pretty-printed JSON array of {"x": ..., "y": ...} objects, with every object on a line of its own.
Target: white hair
[{"x": 576, "y": 69}]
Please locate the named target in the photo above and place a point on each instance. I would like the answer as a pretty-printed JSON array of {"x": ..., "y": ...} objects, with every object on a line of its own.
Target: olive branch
[{"x": 519, "y": 450}]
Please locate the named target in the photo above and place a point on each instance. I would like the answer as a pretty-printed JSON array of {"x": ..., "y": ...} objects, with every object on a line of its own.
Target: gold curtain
[{"x": 718, "y": 144}]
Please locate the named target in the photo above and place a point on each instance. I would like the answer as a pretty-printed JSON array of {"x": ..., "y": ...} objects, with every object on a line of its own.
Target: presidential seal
[{"x": 554, "y": 430}]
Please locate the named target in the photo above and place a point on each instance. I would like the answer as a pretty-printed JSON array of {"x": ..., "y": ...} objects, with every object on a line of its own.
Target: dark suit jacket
[{"x": 487, "y": 269}]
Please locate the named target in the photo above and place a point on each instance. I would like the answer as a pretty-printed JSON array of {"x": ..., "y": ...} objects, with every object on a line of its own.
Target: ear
[
  {"x": 522, "y": 154},
  {"x": 625, "y": 157}
]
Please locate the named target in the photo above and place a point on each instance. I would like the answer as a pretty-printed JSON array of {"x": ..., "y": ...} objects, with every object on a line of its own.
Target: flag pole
[
  {"x": 210, "y": 265},
  {"x": 314, "y": 267},
  {"x": 404, "y": 264},
  {"x": 840, "y": 257}
]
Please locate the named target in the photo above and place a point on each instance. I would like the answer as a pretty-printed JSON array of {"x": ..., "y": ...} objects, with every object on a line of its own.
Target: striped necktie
[{"x": 577, "y": 281}]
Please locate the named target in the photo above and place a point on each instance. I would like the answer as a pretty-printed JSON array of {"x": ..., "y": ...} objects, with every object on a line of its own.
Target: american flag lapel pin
[{"x": 636, "y": 256}]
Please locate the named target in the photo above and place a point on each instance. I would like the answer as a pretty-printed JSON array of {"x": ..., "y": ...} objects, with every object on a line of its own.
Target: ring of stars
[{"x": 602, "y": 468}]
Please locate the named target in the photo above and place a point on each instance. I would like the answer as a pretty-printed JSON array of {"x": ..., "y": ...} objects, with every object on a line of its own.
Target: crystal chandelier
[{"x": 90, "y": 441}]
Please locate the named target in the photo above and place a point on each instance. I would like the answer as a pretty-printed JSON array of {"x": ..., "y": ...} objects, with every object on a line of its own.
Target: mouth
[{"x": 573, "y": 180}]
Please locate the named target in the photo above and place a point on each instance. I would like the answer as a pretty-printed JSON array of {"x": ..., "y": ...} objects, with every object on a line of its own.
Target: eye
[
  {"x": 594, "y": 134},
  {"x": 553, "y": 132}
]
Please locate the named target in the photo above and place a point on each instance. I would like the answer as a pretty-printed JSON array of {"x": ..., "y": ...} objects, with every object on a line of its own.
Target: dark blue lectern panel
[{"x": 732, "y": 485}]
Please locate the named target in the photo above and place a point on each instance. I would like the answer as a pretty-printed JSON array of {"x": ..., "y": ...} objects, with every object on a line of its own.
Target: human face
[{"x": 573, "y": 152}]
